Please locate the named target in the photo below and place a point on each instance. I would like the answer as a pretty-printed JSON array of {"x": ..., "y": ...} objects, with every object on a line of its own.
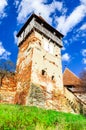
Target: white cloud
[
  {"x": 66, "y": 57},
  {"x": 37, "y": 6},
  {"x": 83, "y": 2},
  {"x": 83, "y": 34},
  {"x": 65, "y": 42},
  {"x": 3, "y": 4},
  {"x": 84, "y": 60},
  {"x": 63, "y": 48},
  {"x": 15, "y": 38},
  {"x": 85, "y": 68},
  {"x": 65, "y": 24},
  {"x": 83, "y": 52},
  {"x": 3, "y": 53},
  {"x": 83, "y": 42},
  {"x": 83, "y": 27},
  {"x": 16, "y": 3},
  {"x": 57, "y": 5}
]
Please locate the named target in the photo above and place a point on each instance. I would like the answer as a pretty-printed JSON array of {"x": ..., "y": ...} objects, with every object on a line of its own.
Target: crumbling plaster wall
[
  {"x": 33, "y": 59},
  {"x": 47, "y": 61},
  {"x": 8, "y": 89},
  {"x": 23, "y": 69}
]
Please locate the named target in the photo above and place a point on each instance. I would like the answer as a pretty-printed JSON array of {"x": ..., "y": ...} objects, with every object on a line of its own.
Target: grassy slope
[{"x": 14, "y": 117}]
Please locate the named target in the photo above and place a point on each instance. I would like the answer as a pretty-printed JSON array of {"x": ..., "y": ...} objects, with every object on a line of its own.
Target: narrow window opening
[
  {"x": 52, "y": 77},
  {"x": 29, "y": 49},
  {"x": 44, "y": 56},
  {"x": 40, "y": 43},
  {"x": 43, "y": 72}
]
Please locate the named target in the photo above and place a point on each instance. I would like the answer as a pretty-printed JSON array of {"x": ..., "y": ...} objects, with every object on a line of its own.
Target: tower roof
[
  {"x": 40, "y": 20},
  {"x": 41, "y": 25}
]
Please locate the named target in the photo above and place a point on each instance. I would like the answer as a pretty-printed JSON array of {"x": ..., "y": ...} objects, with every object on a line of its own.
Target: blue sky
[{"x": 67, "y": 16}]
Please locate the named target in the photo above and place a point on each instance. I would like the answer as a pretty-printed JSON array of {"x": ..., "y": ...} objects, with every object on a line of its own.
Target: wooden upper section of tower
[{"x": 39, "y": 24}]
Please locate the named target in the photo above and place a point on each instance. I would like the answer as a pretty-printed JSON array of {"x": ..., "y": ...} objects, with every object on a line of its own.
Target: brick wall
[{"x": 8, "y": 89}]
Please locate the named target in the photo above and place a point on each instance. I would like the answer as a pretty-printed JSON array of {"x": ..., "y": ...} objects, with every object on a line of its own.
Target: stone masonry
[
  {"x": 38, "y": 79},
  {"x": 39, "y": 69},
  {"x": 8, "y": 89}
]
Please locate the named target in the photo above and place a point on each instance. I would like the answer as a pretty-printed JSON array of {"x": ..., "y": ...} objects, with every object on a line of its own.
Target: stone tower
[{"x": 39, "y": 68}]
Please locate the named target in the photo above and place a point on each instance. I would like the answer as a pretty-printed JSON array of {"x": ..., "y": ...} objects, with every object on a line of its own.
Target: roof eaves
[{"x": 40, "y": 20}]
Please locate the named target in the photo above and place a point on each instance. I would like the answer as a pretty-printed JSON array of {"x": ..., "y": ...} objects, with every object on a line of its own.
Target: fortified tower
[{"x": 39, "y": 68}]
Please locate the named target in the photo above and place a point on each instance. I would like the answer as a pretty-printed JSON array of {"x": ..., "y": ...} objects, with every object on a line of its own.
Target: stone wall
[
  {"x": 38, "y": 80},
  {"x": 39, "y": 72},
  {"x": 77, "y": 105},
  {"x": 8, "y": 89},
  {"x": 23, "y": 69}
]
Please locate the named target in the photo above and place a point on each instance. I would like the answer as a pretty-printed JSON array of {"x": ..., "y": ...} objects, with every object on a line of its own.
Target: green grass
[{"x": 15, "y": 117}]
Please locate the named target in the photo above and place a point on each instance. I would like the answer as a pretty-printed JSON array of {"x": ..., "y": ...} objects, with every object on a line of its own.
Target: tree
[{"x": 6, "y": 68}]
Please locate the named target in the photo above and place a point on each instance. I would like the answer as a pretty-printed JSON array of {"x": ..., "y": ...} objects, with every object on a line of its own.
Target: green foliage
[{"x": 15, "y": 117}]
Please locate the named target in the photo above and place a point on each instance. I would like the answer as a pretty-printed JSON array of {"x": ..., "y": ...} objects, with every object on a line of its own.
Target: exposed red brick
[{"x": 8, "y": 89}]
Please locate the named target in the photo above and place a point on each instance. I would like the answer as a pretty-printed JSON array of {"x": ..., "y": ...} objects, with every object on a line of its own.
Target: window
[
  {"x": 51, "y": 48},
  {"x": 52, "y": 77},
  {"x": 43, "y": 72},
  {"x": 48, "y": 47}
]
